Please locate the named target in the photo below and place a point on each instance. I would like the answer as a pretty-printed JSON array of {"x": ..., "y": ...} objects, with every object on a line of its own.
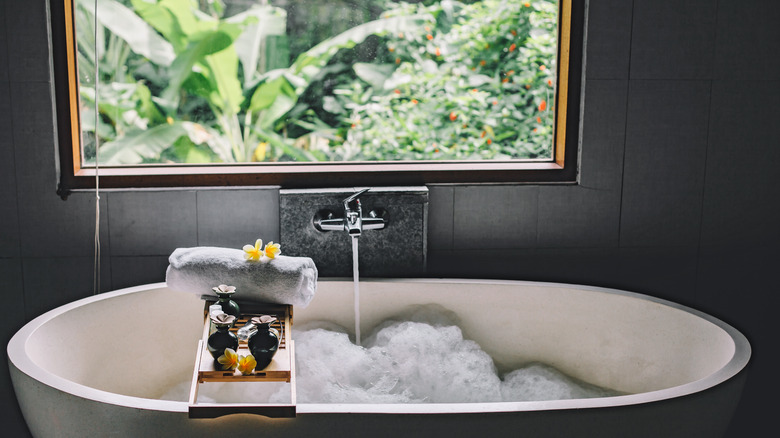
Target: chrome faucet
[{"x": 353, "y": 221}]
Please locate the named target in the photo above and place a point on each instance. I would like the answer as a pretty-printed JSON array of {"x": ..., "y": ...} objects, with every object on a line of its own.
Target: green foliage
[
  {"x": 449, "y": 81},
  {"x": 469, "y": 87}
]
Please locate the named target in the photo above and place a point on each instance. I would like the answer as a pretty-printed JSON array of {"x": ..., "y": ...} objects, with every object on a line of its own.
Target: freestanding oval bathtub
[{"x": 95, "y": 367}]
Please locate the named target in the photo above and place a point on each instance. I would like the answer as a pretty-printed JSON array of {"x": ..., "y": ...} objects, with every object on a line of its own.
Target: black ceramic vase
[
  {"x": 265, "y": 342},
  {"x": 221, "y": 339},
  {"x": 228, "y": 306}
]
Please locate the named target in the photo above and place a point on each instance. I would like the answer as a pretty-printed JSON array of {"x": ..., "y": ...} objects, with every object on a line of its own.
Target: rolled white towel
[{"x": 282, "y": 280}]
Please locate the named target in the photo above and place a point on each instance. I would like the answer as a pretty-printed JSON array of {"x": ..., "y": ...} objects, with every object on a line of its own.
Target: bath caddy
[{"x": 281, "y": 368}]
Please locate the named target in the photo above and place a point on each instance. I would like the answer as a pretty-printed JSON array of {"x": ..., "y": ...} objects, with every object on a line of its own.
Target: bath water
[{"x": 422, "y": 358}]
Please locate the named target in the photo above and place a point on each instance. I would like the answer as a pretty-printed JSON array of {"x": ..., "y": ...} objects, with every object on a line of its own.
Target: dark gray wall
[{"x": 678, "y": 196}]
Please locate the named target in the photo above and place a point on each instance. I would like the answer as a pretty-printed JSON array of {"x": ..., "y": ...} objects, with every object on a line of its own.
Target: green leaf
[
  {"x": 374, "y": 74},
  {"x": 124, "y": 23},
  {"x": 261, "y": 23},
  {"x": 134, "y": 147},
  {"x": 163, "y": 21},
  {"x": 226, "y": 92},
  {"x": 282, "y": 104},
  {"x": 209, "y": 43},
  {"x": 318, "y": 56},
  {"x": 265, "y": 94}
]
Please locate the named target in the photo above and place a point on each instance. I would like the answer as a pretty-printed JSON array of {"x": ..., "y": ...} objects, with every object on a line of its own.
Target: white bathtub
[{"x": 95, "y": 367}]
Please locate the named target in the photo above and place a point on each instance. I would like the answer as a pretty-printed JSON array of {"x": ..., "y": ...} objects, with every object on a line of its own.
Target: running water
[{"x": 356, "y": 281}]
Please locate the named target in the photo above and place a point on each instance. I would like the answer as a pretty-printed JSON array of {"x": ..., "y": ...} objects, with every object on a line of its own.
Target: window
[{"x": 304, "y": 93}]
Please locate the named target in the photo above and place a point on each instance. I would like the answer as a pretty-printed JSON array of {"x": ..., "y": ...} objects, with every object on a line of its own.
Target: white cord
[{"x": 96, "y": 267}]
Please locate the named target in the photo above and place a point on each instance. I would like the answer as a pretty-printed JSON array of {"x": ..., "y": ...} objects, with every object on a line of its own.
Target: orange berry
[
  {"x": 510, "y": 72},
  {"x": 538, "y": 119},
  {"x": 495, "y": 102},
  {"x": 483, "y": 62},
  {"x": 474, "y": 90},
  {"x": 483, "y": 134},
  {"x": 397, "y": 91},
  {"x": 429, "y": 36},
  {"x": 465, "y": 126},
  {"x": 414, "y": 101},
  {"x": 438, "y": 51},
  {"x": 549, "y": 82},
  {"x": 527, "y": 5},
  {"x": 354, "y": 125},
  {"x": 535, "y": 130},
  {"x": 543, "y": 106},
  {"x": 453, "y": 116},
  {"x": 527, "y": 86},
  {"x": 512, "y": 47},
  {"x": 397, "y": 60},
  {"x": 505, "y": 80},
  {"x": 489, "y": 141},
  {"x": 391, "y": 49},
  {"x": 514, "y": 32},
  {"x": 427, "y": 28},
  {"x": 542, "y": 67},
  {"x": 436, "y": 150}
]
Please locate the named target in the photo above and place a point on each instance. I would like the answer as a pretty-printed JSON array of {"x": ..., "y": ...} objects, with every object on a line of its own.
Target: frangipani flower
[
  {"x": 272, "y": 250},
  {"x": 253, "y": 253},
  {"x": 246, "y": 364},
  {"x": 229, "y": 360},
  {"x": 223, "y": 288},
  {"x": 223, "y": 319}
]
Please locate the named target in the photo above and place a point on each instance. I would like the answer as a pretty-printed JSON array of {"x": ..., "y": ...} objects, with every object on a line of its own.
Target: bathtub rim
[{"x": 18, "y": 360}]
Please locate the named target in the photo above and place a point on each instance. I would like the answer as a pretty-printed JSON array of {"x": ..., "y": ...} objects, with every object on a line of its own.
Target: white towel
[{"x": 283, "y": 280}]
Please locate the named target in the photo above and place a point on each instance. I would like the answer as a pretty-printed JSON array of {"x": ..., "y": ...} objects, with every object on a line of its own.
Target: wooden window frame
[{"x": 563, "y": 168}]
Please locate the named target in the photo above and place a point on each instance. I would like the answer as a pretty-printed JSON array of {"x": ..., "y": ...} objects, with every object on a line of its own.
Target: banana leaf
[{"x": 141, "y": 37}]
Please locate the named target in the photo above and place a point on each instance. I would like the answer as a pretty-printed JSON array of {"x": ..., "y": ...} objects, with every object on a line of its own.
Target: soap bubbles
[{"x": 423, "y": 358}]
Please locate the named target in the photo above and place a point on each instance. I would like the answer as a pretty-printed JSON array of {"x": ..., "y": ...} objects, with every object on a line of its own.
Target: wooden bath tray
[{"x": 281, "y": 368}]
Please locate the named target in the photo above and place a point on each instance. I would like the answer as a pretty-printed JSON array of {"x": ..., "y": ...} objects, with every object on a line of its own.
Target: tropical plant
[
  {"x": 205, "y": 108},
  {"x": 182, "y": 84},
  {"x": 477, "y": 83}
]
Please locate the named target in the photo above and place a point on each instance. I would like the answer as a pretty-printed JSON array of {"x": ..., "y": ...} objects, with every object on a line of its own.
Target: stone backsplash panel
[{"x": 398, "y": 250}]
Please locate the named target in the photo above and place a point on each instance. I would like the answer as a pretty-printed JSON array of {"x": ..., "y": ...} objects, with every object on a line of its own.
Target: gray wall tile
[
  {"x": 440, "y": 218},
  {"x": 508, "y": 264},
  {"x": 234, "y": 218},
  {"x": 9, "y": 220},
  {"x": 12, "y": 321},
  {"x": 27, "y": 36},
  {"x": 664, "y": 272},
  {"x": 663, "y": 176},
  {"x": 33, "y": 134},
  {"x": 748, "y": 38},
  {"x": 137, "y": 270},
  {"x": 673, "y": 39},
  {"x": 12, "y": 285},
  {"x": 608, "y": 39},
  {"x": 495, "y": 217},
  {"x": 151, "y": 222},
  {"x": 578, "y": 217},
  {"x": 50, "y": 282},
  {"x": 50, "y": 225},
  {"x": 742, "y": 181},
  {"x": 603, "y": 134},
  {"x": 3, "y": 45}
]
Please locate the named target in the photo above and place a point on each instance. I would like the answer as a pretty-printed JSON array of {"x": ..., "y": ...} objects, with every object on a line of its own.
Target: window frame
[{"x": 563, "y": 168}]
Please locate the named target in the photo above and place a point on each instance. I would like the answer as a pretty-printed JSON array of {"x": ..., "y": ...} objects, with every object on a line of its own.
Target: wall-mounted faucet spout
[{"x": 352, "y": 221}]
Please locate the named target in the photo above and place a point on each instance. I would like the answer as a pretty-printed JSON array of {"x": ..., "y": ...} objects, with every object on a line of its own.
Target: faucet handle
[{"x": 351, "y": 198}]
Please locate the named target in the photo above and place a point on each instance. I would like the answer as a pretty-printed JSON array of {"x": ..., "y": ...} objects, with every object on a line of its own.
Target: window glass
[{"x": 276, "y": 81}]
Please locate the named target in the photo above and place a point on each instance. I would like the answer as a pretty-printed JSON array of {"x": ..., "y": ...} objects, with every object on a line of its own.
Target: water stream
[{"x": 355, "y": 280}]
